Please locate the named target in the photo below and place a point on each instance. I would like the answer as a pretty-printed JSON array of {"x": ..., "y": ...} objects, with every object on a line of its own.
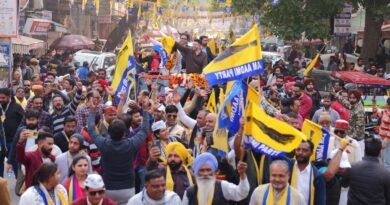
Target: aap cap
[
  {"x": 94, "y": 181},
  {"x": 161, "y": 108},
  {"x": 158, "y": 125},
  {"x": 344, "y": 162}
]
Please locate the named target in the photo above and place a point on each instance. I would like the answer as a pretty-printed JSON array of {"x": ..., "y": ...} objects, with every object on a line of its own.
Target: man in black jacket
[
  {"x": 368, "y": 180},
  {"x": 11, "y": 116}
]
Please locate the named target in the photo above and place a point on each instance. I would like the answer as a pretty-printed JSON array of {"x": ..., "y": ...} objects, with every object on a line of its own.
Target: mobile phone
[
  {"x": 208, "y": 136},
  {"x": 156, "y": 143}
]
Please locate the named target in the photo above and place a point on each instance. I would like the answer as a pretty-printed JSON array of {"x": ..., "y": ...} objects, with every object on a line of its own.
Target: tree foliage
[{"x": 288, "y": 19}]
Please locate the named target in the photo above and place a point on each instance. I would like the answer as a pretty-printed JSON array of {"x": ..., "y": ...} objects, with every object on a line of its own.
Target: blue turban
[{"x": 205, "y": 158}]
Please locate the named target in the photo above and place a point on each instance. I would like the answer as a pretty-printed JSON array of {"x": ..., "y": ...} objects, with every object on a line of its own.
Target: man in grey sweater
[{"x": 117, "y": 155}]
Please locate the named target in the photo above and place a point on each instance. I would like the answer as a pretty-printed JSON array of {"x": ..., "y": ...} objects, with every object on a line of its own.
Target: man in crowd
[
  {"x": 209, "y": 190},
  {"x": 95, "y": 189},
  {"x": 32, "y": 160},
  {"x": 313, "y": 93},
  {"x": 337, "y": 106},
  {"x": 368, "y": 181},
  {"x": 356, "y": 115},
  {"x": 278, "y": 191},
  {"x": 76, "y": 146},
  {"x": 44, "y": 117},
  {"x": 305, "y": 101},
  {"x": 11, "y": 116},
  {"x": 118, "y": 171},
  {"x": 326, "y": 103},
  {"x": 83, "y": 111},
  {"x": 109, "y": 114},
  {"x": 155, "y": 192},
  {"x": 61, "y": 111},
  {"x": 31, "y": 125},
  {"x": 61, "y": 139},
  {"x": 195, "y": 59},
  {"x": 204, "y": 43},
  {"x": 178, "y": 177},
  {"x": 174, "y": 128}
]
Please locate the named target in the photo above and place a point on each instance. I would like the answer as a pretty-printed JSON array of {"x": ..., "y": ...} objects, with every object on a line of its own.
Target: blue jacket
[
  {"x": 83, "y": 73},
  {"x": 319, "y": 183}
]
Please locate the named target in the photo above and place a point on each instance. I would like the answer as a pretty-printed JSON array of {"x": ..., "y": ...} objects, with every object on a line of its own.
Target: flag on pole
[
  {"x": 311, "y": 65},
  {"x": 269, "y": 135},
  {"x": 83, "y": 4},
  {"x": 220, "y": 136},
  {"x": 139, "y": 12},
  {"x": 97, "y": 6},
  {"x": 320, "y": 138},
  {"x": 124, "y": 69},
  {"x": 212, "y": 46},
  {"x": 130, "y": 6},
  {"x": 242, "y": 59},
  {"x": 212, "y": 103}
]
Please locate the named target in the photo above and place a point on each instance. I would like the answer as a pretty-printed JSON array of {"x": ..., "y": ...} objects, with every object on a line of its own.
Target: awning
[{"x": 24, "y": 44}]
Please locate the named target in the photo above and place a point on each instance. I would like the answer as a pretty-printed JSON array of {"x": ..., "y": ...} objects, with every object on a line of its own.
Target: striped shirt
[{"x": 70, "y": 109}]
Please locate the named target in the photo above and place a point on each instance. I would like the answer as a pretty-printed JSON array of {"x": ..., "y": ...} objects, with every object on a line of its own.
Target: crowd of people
[{"x": 67, "y": 139}]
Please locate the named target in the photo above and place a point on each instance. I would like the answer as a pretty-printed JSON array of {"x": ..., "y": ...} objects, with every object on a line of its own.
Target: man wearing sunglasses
[
  {"x": 341, "y": 131},
  {"x": 94, "y": 186}
]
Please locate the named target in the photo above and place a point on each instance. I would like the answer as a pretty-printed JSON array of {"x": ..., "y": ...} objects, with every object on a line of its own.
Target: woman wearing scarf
[
  {"x": 45, "y": 189},
  {"x": 78, "y": 173}
]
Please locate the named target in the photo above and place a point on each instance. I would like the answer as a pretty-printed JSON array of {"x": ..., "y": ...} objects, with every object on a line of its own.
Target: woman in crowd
[
  {"x": 45, "y": 189},
  {"x": 78, "y": 173}
]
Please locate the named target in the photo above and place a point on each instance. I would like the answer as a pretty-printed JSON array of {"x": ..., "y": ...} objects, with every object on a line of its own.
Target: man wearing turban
[
  {"x": 178, "y": 176},
  {"x": 214, "y": 191}
]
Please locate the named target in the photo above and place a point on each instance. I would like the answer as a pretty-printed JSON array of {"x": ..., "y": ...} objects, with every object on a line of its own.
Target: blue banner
[
  {"x": 163, "y": 54},
  {"x": 239, "y": 72}
]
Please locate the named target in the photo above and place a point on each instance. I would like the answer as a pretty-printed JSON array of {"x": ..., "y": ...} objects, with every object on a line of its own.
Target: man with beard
[
  {"x": 64, "y": 160},
  {"x": 295, "y": 106},
  {"x": 178, "y": 177},
  {"x": 334, "y": 115},
  {"x": 278, "y": 191},
  {"x": 11, "y": 116},
  {"x": 209, "y": 190},
  {"x": 306, "y": 178},
  {"x": 356, "y": 115},
  {"x": 314, "y": 94},
  {"x": 109, "y": 114},
  {"x": 31, "y": 124},
  {"x": 82, "y": 112},
  {"x": 61, "y": 112},
  {"x": 159, "y": 112},
  {"x": 305, "y": 100},
  {"x": 20, "y": 97},
  {"x": 204, "y": 44},
  {"x": 61, "y": 139},
  {"x": 27, "y": 89},
  {"x": 279, "y": 84},
  {"x": 154, "y": 192},
  {"x": 33, "y": 160},
  {"x": 44, "y": 117}
]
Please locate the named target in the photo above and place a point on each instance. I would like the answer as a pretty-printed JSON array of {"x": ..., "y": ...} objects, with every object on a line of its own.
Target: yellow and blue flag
[
  {"x": 242, "y": 59},
  {"x": 269, "y": 135},
  {"x": 164, "y": 48},
  {"x": 124, "y": 69},
  {"x": 220, "y": 136},
  {"x": 319, "y": 136}
]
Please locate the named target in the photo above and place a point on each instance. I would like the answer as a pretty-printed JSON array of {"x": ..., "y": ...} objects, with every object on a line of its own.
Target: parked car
[{"x": 103, "y": 60}]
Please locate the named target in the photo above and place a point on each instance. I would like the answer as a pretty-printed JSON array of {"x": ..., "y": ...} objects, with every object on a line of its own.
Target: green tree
[{"x": 289, "y": 19}]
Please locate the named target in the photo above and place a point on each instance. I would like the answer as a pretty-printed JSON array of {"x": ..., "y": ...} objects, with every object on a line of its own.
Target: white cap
[
  {"x": 161, "y": 108},
  {"x": 158, "y": 125},
  {"x": 344, "y": 162},
  {"x": 168, "y": 90},
  {"x": 94, "y": 181}
]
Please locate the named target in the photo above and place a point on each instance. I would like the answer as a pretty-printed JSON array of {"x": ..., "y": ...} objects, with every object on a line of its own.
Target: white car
[{"x": 103, "y": 60}]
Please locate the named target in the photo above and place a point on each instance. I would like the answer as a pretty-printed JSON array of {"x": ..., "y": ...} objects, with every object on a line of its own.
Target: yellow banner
[
  {"x": 313, "y": 133},
  {"x": 242, "y": 59},
  {"x": 220, "y": 136},
  {"x": 276, "y": 137}
]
